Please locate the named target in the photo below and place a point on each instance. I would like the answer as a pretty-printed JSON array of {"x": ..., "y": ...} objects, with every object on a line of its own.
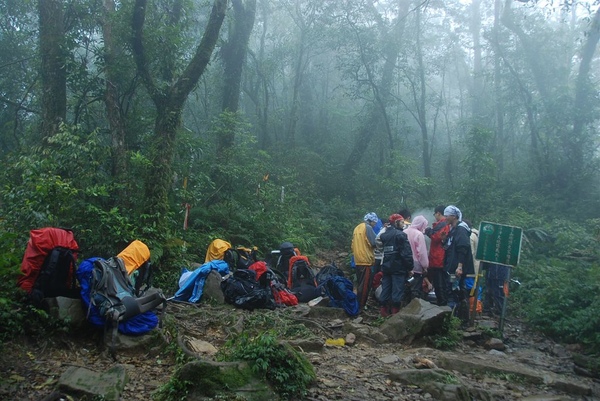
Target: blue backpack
[
  {"x": 341, "y": 294},
  {"x": 108, "y": 296}
]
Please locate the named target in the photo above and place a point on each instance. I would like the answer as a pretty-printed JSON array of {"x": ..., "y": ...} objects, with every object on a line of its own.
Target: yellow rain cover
[
  {"x": 135, "y": 255},
  {"x": 216, "y": 250}
]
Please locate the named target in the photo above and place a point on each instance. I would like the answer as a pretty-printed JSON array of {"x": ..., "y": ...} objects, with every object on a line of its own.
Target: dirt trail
[{"x": 358, "y": 372}]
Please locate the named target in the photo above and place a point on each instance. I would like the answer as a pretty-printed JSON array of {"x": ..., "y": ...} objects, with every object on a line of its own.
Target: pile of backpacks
[
  {"x": 116, "y": 292},
  {"x": 285, "y": 279}
]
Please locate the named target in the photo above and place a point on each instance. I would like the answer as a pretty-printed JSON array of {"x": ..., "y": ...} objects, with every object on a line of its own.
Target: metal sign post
[{"x": 499, "y": 244}]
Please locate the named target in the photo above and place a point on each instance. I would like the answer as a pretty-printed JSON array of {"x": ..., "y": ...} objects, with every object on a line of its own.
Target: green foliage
[
  {"x": 170, "y": 334},
  {"x": 560, "y": 278},
  {"x": 289, "y": 372},
  {"x": 280, "y": 324},
  {"x": 10, "y": 308},
  {"x": 17, "y": 315},
  {"x": 173, "y": 390},
  {"x": 450, "y": 335},
  {"x": 488, "y": 332},
  {"x": 478, "y": 178},
  {"x": 66, "y": 185}
]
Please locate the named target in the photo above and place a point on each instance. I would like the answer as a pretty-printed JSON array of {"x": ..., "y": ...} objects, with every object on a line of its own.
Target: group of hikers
[
  {"x": 402, "y": 259},
  {"x": 396, "y": 261}
]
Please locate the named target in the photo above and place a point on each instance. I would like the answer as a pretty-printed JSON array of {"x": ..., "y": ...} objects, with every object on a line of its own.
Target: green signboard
[{"x": 499, "y": 243}]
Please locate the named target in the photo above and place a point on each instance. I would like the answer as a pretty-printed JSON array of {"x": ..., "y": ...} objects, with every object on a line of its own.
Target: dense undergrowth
[{"x": 261, "y": 199}]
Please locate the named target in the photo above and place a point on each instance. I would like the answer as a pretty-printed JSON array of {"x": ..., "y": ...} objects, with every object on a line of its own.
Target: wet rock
[
  {"x": 82, "y": 382},
  {"x": 212, "y": 288},
  {"x": 389, "y": 359},
  {"x": 472, "y": 336},
  {"x": 124, "y": 342},
  {"x": 495, "y": 343},
  {"x": 448, "y": 392},
  {"x": 67, "y": 309},
  {"x": 559, "y": 351},
  {"x": 418, "y": 319},
  {"x": 589, "y": 365},
  {"x": 418, "y": 377},
  {"x": 210, "y": 379},
  {"x": 570, "y": 387},
  {"x": 307, "y": 345},
  {"x": 489, "y": 366}
]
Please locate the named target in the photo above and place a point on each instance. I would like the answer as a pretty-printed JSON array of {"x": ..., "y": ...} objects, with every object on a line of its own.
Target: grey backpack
[{"x": 113, "y": 294}]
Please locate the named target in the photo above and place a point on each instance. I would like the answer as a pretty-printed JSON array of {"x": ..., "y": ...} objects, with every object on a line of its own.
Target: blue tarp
[{"x": 191, "y": 283}]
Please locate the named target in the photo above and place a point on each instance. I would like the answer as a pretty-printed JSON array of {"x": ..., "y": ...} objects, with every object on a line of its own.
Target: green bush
[
  {"x": 289, "y": 372},
  {"x": 560, "y": 276},
  {"x": 450, "y": 336}
]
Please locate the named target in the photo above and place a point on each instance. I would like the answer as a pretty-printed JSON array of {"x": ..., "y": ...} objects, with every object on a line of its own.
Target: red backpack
[{"x": 49, "y": 264}]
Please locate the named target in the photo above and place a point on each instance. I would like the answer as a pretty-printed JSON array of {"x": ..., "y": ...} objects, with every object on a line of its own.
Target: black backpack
[
  {"x": 57, "y": 277},
  {"x": 242, "y": 290},
  {"x": 245, "y": 257},
  {"x": 240, "y": 257},
  {"x": 300, "y": 273},
  {"x": 301, "y": 280},
  {"x": 328, "y": 271}
]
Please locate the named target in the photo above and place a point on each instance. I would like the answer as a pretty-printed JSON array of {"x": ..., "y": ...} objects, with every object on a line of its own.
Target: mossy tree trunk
[
  {"x": 169, "y": 102},
  {"x": 53, "y": 66}
]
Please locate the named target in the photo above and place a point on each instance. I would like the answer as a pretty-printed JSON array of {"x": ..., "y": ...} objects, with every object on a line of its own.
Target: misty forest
[{"x": 260, "y": 121}]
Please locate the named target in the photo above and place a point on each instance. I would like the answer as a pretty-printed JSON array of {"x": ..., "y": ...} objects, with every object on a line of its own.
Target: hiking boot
[
  {"x": 395, "y": 310},
  {"x": 384, "y": 311}
]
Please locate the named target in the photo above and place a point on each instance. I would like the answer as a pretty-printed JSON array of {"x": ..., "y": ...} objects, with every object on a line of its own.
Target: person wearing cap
[
  {"x": 363, "y": 244},
  {"x": 459, "y": 257},
  {"x": 396, "y": 265},
  {"x": 437, "y": 275},
  {"x": 407, "y": 216}
]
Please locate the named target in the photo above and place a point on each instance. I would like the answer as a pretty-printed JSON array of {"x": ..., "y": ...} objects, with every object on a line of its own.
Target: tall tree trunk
[
  {"x": 377, "y": 115},
  {"x": 234, "y": 54},
  {"x": 577, "y": 142},
  {"x": 477, "y": 108},
  {"x": 508, "y": 20},
  {"x": 499, "y": 104},
  {"x": 421, "y": 101},
  {"x": 169, "y": 104},
  {"x": 53, "y": 66},
  {"x": 257, "y": 84},
  {"x": 298, "y": 75},
  {"x": 111, "y": 99}
]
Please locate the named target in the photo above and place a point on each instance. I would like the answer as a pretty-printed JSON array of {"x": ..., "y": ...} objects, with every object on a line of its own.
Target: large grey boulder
[
  {"x": 82, "y": 382},
  {"x": 417, "y": 319},
  {"x": 206, "y": 380},
  {"x": 69, "y": 310},
  {"x": 212, "y": 288}
]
